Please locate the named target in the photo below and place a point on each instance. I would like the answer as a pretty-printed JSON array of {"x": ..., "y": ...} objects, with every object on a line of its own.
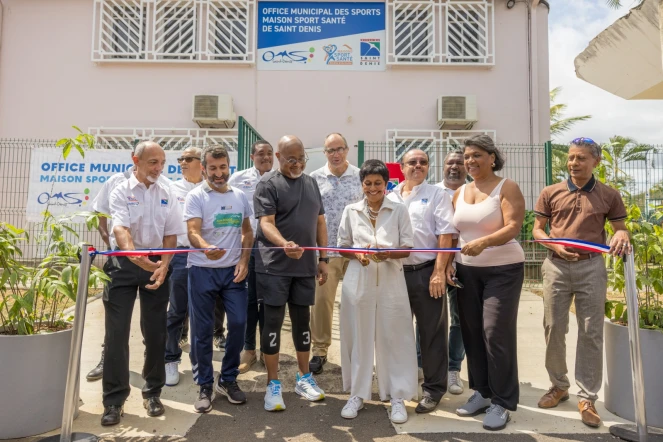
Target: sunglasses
[
  {"x": 187, "y": 159},
  {"x": 414, "y": 163},
  {"x": 583, "y": 140}
]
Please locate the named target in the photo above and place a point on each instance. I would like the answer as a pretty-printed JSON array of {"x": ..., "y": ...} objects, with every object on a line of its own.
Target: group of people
[{"x": 258, "y": 229}]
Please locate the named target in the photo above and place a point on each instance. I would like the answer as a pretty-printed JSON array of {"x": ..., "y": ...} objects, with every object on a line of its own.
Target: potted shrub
[
  {"x": 647, "y": 239},
  {"x": 35, "y": 333}
]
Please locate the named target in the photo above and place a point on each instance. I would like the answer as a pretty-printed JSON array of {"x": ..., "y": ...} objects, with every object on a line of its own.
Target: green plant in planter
[
  {"x": 647, "y": 240},
  {"x": 32, "y": 299}
]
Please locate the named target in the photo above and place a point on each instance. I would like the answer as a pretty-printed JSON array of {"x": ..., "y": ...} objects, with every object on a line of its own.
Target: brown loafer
[
  {"x": 588, "y": 414},
  {"x": 554, "y": 396}
]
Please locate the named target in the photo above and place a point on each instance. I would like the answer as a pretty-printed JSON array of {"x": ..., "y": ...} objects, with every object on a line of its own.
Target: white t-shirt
[
  {"x": 247, "y": 180},
  {"x": 431, "y": 213},
  {"x": 180, "y": 189},
  {"x": 222, "y": 215},
  {"x": 149, "y": 213}
]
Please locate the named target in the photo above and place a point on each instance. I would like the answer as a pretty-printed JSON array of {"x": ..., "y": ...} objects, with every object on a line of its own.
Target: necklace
[{"x": 372, "y": 214}]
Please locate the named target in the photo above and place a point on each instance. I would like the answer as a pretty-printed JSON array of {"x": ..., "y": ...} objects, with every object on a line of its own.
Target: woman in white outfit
[{"x": 375, "y": 311}]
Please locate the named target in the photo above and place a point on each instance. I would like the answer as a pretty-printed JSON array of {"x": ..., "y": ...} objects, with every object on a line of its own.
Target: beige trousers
[
  {"x": 585, "y": 284},
  {"x": 322, "y": 313}
]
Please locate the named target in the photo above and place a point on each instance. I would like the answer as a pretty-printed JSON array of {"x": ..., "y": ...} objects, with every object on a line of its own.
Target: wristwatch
[{"x": 325, "y": 260}]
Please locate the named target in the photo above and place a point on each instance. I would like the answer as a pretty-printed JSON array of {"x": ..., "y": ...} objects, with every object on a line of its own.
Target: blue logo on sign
[
  {"x": 285, "y": 56},
  {"x": 369, "y": 48}
]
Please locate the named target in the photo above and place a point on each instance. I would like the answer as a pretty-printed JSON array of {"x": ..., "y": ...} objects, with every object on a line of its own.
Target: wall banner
[
  {"x": 321, "y": 36},
  {"x": 67, "y": 186}
]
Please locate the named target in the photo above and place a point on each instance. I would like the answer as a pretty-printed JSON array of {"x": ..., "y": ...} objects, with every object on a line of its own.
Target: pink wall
[{"x": 48, "y": 83}]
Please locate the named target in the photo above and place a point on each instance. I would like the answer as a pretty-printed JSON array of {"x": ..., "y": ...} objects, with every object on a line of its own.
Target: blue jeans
[
  {"x": 255, "y": 314},
  {"x": 456, "y": 347},
  {"x": 205, "y": 285},
  {"x": 177, "y": 310}
]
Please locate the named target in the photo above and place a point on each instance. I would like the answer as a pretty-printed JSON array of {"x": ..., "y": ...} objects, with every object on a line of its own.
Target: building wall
[{"x": 48, "y": 83}]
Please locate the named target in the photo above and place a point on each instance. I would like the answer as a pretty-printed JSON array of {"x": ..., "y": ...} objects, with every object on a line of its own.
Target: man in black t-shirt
[{"x": 289, "y": 207}]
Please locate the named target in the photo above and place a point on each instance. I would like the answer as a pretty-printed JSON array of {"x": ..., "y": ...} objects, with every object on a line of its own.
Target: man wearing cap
[{"x": 577, "y": 208}]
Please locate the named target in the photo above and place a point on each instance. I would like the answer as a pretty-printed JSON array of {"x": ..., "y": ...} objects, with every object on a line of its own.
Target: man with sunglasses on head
[
  {"x": 192, "y": 177},
  {"x": 339, "y": 185},
  {"x": 431, "y": 213},
  {"x": 577, "y": 208},
  {"x": 289, "y": 207}
]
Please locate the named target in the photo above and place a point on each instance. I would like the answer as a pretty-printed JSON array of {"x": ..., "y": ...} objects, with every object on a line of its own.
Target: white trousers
[{"x": 376, "y": 325}]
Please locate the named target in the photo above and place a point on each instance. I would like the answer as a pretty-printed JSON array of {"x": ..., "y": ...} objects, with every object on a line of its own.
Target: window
[
  {"x": 228, "y": 32},
  {"x": 414, "y": 31},
  {"x": 122, "y": 30},
  {"x": 175, "y": 30},
  {"x": 465, "y": 37}
]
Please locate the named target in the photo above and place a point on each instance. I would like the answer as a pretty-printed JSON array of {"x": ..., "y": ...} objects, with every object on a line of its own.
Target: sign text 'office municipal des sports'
[
  {"x": 321, "y": 36},
  {"x": 68, "y": 186}
]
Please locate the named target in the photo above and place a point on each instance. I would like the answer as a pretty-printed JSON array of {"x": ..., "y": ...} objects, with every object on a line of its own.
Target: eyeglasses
[
  {"x": 293, "y": 161},
  {"x": 583, "y": 140},
  {"x": 335, "y": 151},
  {"x": 413, "y": 163},
  {"x": 187, "y": 159}
]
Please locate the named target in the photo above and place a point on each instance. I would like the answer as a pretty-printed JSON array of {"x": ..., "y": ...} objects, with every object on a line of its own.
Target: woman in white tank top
[{"x": 489, "y": 214}]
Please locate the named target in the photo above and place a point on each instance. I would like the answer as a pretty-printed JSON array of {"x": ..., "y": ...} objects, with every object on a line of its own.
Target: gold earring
[{"x": 493, "y": 165}]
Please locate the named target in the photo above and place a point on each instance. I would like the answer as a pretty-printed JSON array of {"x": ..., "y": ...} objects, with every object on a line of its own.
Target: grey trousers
[{"x": 586, "y": 281}]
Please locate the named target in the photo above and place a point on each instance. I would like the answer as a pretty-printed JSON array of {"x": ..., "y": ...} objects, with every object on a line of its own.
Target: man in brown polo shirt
[{"x": 577, "y": 208}]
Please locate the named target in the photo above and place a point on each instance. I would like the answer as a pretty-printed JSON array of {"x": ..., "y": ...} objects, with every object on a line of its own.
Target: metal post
[
  {"x": 73, "y": 372},
  {"x": 637, "y": 432}
]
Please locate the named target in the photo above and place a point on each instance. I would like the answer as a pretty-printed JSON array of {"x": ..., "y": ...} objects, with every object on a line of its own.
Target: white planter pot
[
  {"x": 33, "y": 377},
  {"x": 618, "y": 379}
]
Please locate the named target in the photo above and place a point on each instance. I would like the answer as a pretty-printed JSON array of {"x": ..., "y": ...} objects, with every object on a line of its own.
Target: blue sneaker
[
  {"x": 308, "y": 388},
  {"x": 273, "y": 398}
]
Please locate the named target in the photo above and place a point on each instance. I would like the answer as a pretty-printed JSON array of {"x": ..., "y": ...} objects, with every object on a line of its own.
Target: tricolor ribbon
[{"x": 568, "y": 242}]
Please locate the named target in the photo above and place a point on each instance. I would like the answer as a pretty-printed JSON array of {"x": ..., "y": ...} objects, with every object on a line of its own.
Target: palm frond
[
  {"x": 564, "y": 125},
  {"x": 614, "y": 4}
]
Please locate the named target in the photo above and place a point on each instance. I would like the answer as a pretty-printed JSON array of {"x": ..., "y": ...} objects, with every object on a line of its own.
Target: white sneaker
[
  {"x": 455, "y": 383},
  {"x": 308, "y": 388},
  {"x": 172, "y": 375},
  {"x": 398, "y": 412},
  {"x": 420, "y": 374},
  {"x": 355, "y": 403},
  {"x": 273, "y": 398}
]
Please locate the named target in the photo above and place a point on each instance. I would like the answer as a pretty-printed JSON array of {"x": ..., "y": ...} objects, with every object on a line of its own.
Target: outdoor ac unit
[
  {"x": 456, "y": 112},
  {"x": 214, "y": 111}
]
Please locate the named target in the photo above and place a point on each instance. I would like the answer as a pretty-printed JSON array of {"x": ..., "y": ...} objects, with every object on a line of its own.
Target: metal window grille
[
  {"x": 169, "y": 139},
  {"x": 189, "y": 31},
  {"x": 440, "y": 32}
]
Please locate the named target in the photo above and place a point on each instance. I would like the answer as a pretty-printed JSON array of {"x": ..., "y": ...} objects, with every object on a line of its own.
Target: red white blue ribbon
[{"x": 567, "y": 242}]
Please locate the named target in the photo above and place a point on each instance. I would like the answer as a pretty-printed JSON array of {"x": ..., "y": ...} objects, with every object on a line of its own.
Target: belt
[
  {"x": 423, "y": 265},
  {"x": 581, "y": 257}
]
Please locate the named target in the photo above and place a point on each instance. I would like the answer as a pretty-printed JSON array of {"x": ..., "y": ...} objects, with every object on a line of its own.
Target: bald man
[
  {"x": 289, "y": 208},
  {"x": 145, "y": 215}
]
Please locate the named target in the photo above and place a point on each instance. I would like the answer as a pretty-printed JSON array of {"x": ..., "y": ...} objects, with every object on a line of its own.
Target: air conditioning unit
[
  {"x": 457, "y": 112},
  {"x": 214, "y": 111}
]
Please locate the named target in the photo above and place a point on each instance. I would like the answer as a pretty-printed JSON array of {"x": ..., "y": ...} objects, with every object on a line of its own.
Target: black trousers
[
  {"x": 488, "y": 308},
  {"x": 431, "y": 316},
  {"x": 127, "y": 279}
]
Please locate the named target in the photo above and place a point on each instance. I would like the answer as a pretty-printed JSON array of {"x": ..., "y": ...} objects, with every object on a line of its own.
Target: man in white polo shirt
[
  {"x": 262, "y": 155},
  {"x": 217, "y": 217},
  {"x": 144, "y": 216},
  {"x": 431, "y": 213}
]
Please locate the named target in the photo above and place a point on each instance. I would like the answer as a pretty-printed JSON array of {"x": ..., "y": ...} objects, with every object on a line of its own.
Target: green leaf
[
  {"x": 77, "y": 128},
  {"x": 619, "y": 310},
  {"x": 66, "y": 274}
]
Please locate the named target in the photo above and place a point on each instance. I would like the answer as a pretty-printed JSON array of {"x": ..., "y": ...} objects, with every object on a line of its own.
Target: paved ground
[{"x": 304, "y": 421}]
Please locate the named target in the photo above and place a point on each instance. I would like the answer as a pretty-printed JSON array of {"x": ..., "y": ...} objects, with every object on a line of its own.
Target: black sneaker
[
  {"x": 97, "y": 372},
  {"x": 153, "y": 406},
  {"x": 220, "y": 341},
  {"x": 205, "y": 398},
  {"x": 315, "y": 366},
  {"x": 426, "y": 404},
  {"x": 230, "y": 390}
]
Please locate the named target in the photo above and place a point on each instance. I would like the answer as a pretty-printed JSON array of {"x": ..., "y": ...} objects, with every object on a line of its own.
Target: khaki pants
[
  {"x": 322, "y": 313},
  {"x": 586, "y": 280}
]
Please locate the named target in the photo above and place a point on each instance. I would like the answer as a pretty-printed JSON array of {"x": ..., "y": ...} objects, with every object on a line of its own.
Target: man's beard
[{"x": 225, "y": 177}]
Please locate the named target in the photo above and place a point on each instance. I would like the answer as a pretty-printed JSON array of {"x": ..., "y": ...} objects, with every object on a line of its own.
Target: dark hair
[
  {"x": 454, "y": 151},
  {"x": 373, "y": 167},
  {"x": 255, "y": 145},
  {"x": 414, "y": 148},
  {"x": 216, "y": 152},
  {"x": 485, "y": 143}
]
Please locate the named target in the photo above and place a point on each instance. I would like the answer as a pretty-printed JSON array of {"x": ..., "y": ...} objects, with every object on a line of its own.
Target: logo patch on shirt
[
  {"x": 181, "y": 200},
  {"x": 132, "y": 201},
  {"x": 424, "y": 201},
  {"x": 226, "y": 207},
  {"x": 246, "y": 184},
  {"x": 227, "y": 220},
  {"x": 164, "y": 202}
]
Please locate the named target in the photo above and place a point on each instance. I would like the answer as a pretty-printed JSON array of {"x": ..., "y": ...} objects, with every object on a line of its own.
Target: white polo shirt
[
  {"x": 337, "y": 192},
  {"x": 442, "y": 186},
  {"x": 222, "y": 215},
  {"x": 246, "y": 180},
  {"x": 431, "y": 214},
  {"x": 149, "y": 213},
  {"x": 101, "y": 202},
  {"x": 180, "y": 190}
]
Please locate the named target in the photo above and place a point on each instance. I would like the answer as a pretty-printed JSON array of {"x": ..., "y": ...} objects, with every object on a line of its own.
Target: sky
[{"x": 572, "y": 25}]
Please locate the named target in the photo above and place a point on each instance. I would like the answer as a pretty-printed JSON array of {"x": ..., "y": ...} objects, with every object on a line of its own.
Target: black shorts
[{"x": 278, "y": 290}]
